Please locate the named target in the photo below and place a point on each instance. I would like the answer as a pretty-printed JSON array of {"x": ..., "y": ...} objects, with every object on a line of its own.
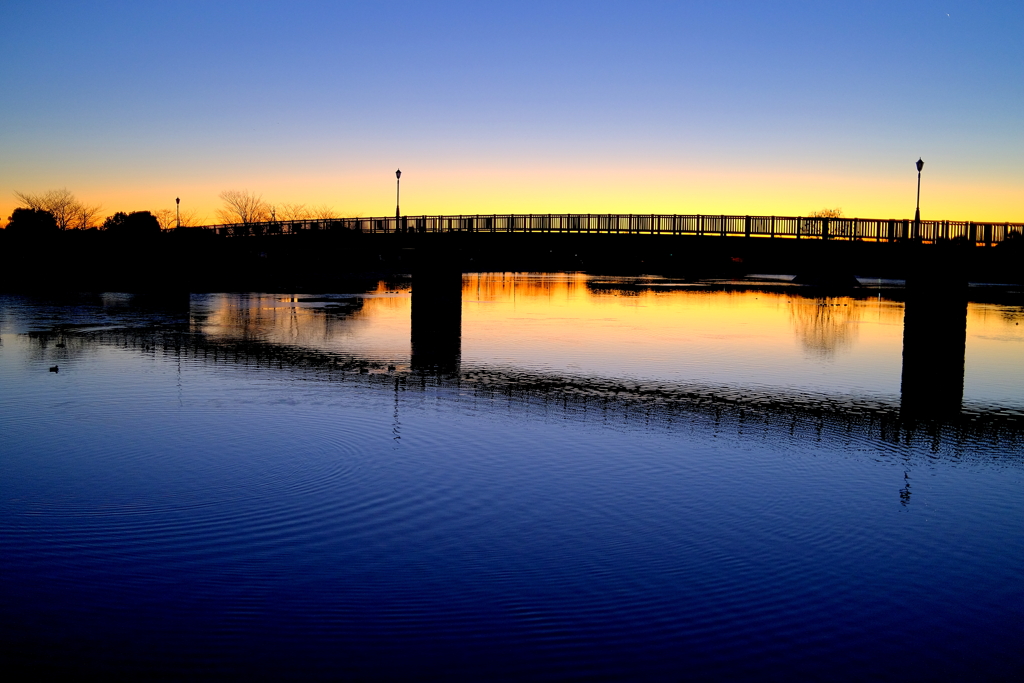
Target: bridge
[
  {"x": 820, "y": 250},
  {"x": 313, "y": 254},
  {"x": 769, "y": 227}
]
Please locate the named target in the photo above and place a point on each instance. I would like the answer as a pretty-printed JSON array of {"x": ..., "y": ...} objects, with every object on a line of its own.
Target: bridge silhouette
[
  {"x": 784, "y": 227},
  {"x": 315, "y": 254},
  {"x": 819, "y": 250}
]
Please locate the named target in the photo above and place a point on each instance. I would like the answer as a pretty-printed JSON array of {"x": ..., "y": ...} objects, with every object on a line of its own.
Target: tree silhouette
[
  {"x": 293, "y": 212},
  {"x": 134, "y": 223},
  {"x": 323, "y": 212},
  {"x": 242, "y": 206},
  {"x": 67, "y": 210},
  {"x": 35, "y": 222},
  {"x": 168, "y": 218},
  {"x": 826, "y": 213}
]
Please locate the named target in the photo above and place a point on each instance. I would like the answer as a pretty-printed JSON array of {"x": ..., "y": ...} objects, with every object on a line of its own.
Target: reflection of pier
[
  {"x": 436, "y": 334},
  {"x": 934, "y": 339}
]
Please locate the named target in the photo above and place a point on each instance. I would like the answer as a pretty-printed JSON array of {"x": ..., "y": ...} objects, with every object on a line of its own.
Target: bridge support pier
[
  {"x": 436, "y": 337},
  {"x": 934, "y": 335}
]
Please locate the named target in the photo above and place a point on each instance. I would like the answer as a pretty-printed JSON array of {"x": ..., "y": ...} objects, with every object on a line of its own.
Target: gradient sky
[{"x": 669, "y": 107}]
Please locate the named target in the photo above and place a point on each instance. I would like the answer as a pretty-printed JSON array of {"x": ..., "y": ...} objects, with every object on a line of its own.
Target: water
[{"x": 609, "y": 479}]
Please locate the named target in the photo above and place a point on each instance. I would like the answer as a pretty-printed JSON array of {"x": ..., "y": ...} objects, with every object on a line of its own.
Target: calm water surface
[{"x": 604, "y": 479}]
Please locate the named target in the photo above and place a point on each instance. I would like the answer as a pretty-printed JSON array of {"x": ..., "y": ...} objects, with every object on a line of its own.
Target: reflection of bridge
[
  {"x": 931, "y": 388},
  {"x": 794, "y": 227},
  {"x": 725, "y": 409}
]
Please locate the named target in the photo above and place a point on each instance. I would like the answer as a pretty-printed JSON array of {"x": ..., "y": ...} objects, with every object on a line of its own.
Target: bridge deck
[{"x": 786, "y": 227}]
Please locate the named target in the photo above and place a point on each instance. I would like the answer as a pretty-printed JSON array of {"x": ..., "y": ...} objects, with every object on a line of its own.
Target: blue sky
[{"x": 736, "y": 107}]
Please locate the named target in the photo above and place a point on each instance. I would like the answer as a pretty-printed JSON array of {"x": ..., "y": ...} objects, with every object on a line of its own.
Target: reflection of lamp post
[
  {"x": 917, "y": 213},
  {"x": 398, "y": 191},
  {"x": 177, "y": 210}
]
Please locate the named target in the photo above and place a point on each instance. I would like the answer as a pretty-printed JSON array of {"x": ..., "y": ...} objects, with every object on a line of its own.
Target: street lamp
[
  {"x": 917, "y": 212},
  {"x": 177, "y": 211},
  {"x": 398, "y": 192}
]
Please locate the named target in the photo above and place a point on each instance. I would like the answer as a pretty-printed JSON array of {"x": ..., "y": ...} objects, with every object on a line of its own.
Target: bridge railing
[{"x": 770, "y": 227}]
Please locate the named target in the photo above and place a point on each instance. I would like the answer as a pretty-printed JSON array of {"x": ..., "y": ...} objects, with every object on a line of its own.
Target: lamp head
[
  {"x": 398, "y": 173},
  {"x": 920, "y": 165},
  {"x": 177, "y": 200}
]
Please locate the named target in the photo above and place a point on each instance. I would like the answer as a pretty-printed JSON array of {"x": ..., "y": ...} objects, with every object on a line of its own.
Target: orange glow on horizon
[{"x": 568, "y": 189}]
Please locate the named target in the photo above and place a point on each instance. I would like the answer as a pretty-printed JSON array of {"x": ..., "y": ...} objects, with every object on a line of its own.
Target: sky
[{"x": 489, "y": 107}]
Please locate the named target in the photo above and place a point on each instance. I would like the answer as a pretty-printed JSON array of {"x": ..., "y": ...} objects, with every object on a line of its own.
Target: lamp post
[
  {"x": 917, "y": 212},
  {"x": 177, "y": 211},
  {"x": 398, "y": 192}
]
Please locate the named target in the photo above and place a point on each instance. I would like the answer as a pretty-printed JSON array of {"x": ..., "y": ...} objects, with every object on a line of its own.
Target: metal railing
[{"x": 770, "y": 227}]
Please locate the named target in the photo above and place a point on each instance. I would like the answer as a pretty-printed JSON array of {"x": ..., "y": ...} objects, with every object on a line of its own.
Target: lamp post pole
[
  {"x": 398, "y": 192},
  {"x": 177, "y": 211},
  {"x": 917, "y": 212}
]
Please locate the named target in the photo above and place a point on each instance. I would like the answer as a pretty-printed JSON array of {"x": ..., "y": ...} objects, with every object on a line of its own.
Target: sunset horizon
[{"x": 591, "y": 108}]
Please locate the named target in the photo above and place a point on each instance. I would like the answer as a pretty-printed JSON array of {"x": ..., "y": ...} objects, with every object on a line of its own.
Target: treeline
[
  {"x": 243, "y": 206},
  {"x": 59, "y": 210},
  {"x": 39, "y": 222}
]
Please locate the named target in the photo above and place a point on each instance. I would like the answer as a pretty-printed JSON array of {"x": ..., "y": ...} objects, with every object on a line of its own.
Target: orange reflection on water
[
  {"x": 619, "y": 327},
  {"x": 648, "y": 329},
  {"x": 372, "y": 325},
  {"x": 994, "y": 362}
]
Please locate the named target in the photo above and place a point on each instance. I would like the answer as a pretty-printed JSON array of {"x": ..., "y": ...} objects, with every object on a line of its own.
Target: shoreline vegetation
[{"x": 238, "y": 206}]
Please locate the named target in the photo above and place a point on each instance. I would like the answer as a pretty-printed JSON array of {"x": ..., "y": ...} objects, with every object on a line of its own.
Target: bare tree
[
  {"x": 168, "y": 218},
  {"x": 190, "y": 218},
  {"x": 322, "y": 212},
  {"x": 826, "y": 213},
  {"x": 293, "y": 212},
  {"x": 86, "y": 216},
  {"x": 810, "y": 227},
  {"x": 165, "y": 217},
  {"x": 67, "y": 210},
  {"x": 242, "y": 206}
]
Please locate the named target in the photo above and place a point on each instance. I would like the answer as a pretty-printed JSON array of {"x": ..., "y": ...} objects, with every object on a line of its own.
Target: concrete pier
[
  {"x": 436, "y": 337},
  {"x": 934, "y": 335}
]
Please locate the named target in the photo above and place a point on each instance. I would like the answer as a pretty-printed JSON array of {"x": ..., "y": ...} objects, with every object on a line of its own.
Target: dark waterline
[{"x": 609, "y": 480}]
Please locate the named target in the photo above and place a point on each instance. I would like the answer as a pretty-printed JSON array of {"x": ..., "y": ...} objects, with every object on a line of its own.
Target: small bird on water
[{"x": 55, "y": 368}]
